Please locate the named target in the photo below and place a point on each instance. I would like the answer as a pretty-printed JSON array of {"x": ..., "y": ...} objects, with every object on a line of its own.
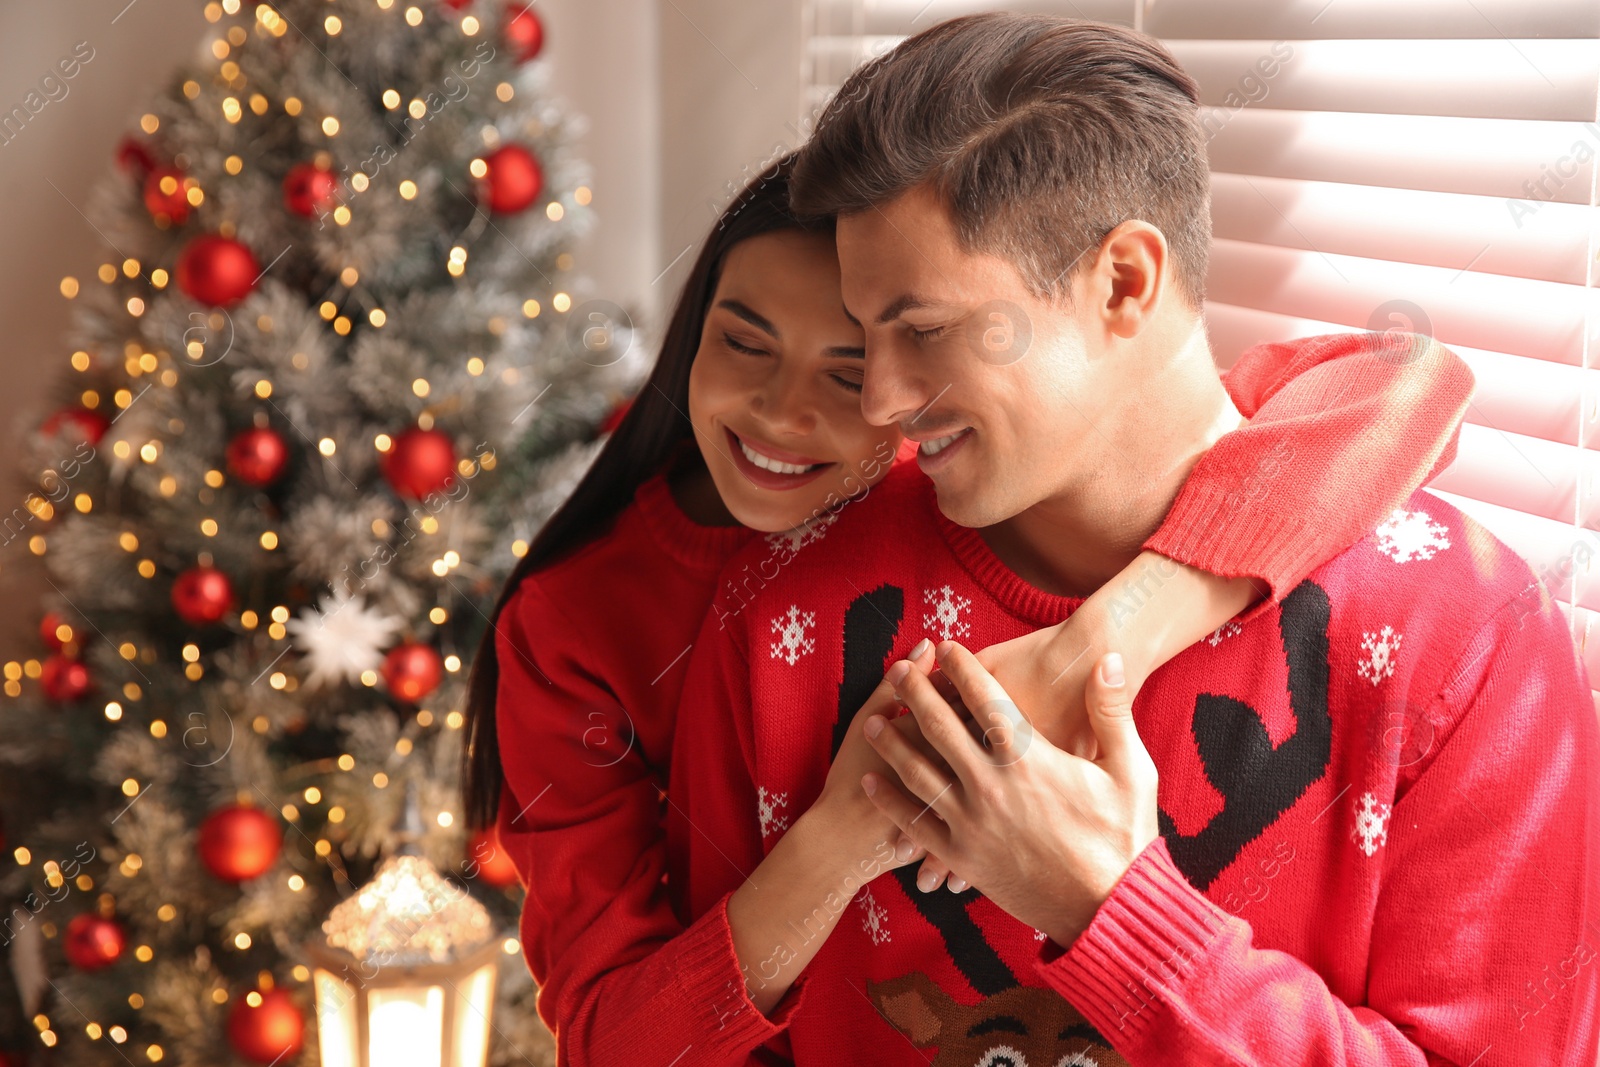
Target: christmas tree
[{"x": 325, "y": 388}]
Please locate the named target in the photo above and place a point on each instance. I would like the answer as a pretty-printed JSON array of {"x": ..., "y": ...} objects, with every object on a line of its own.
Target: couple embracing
[{"x": 942, "y": 663}]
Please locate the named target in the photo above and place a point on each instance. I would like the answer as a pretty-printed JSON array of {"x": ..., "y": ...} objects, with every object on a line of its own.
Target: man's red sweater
[
  {"x": 593, "y": 655},
  {"x": 1379, "y": 807}
]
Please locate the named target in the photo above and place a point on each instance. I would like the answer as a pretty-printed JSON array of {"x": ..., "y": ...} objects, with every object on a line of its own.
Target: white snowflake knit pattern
[
  {"x": 790, "y": 628},
  {"x": 1223, "y": 632},
  {"x": 875, "y": 919},
  {"x": 948, "y": 609},
  {"x": 1380, "y": 648},
  {"x": 1408, "y": 535},
  {"x": 1372, "y": 824},
  {"x": 767, "y": 805},
  {"x": 807, "y": 533}
]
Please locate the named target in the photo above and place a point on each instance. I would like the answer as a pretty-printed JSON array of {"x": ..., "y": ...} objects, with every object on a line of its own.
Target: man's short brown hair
[{"x": 1040, "y": 134}]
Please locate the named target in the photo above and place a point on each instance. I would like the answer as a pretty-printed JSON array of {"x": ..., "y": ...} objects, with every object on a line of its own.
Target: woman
[{"x": 575, "y": 686}]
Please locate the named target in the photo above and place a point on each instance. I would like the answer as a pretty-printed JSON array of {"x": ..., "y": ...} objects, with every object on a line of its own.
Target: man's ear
[{"x": 1132, "y": 273}]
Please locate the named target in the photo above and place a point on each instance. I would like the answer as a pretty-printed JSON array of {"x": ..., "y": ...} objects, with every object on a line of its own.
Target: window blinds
[{"x": 1428, "y": 166}]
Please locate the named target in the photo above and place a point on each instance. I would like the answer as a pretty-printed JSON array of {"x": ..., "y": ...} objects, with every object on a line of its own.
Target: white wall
[
  {"x": 729, "y": 101},
  {"x": 45, "y": 171}
]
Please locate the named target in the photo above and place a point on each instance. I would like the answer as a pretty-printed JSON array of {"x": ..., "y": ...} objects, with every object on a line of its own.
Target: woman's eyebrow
[{"x": 748, "y": 315}]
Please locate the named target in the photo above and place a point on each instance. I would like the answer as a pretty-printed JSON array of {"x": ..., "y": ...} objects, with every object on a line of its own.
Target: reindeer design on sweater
[
  {"x": 1024, "y": 1026},
  {"x": 1012, "y": 1026}
]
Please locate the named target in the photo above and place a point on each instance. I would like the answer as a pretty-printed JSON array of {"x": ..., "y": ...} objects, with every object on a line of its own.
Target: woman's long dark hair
[{"x": 655, "y": 425}]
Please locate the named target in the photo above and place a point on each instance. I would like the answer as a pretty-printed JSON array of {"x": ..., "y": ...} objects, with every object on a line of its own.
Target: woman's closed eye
[{"x": 738, "y": 346}]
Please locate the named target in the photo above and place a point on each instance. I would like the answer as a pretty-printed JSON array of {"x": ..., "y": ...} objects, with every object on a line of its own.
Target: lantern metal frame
[{"x": 342, "y": 967}]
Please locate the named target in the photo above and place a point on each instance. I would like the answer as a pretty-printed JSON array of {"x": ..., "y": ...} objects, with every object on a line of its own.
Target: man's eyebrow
[
  {"x": 900, "y": 305},
  {"x": 848, "y": 351},
  {"x": 744, "y": 312}
]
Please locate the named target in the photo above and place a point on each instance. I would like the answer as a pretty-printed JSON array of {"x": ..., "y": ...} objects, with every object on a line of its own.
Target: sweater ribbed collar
[{"x": 686, "y": 541}]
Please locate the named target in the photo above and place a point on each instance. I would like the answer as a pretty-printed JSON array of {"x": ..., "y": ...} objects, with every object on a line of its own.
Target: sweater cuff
[
  {"x": 1143, "y": 945},
  {"x": 709, "y": 963},
  {"x": 1225, "y": 533}
]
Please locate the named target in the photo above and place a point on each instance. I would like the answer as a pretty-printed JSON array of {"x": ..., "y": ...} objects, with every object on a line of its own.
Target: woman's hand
[
  {"x": 855, "y": 821},
  {"x": 1153, "y": 609}
]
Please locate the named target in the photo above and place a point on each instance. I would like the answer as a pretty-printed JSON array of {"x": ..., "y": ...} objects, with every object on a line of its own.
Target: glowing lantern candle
[{"x": 405, "y": 974}]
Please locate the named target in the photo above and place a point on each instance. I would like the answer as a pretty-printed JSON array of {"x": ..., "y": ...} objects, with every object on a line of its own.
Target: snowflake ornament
[
  {"x": 341, "y": 638},
  {"x": 1372, "y": 824},
  {"x": 1408, "y": 535},
  {"x": 1380, "y": 649},
  {"x": 790, "y": 628},
  {"x": 948, "y": 610},
  {"x": 876, "y": 917},
  {"x": 767, "y": 805}
]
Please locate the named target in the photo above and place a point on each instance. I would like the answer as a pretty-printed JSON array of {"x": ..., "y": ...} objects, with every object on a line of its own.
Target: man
[{"x": 1357, "y": 826}]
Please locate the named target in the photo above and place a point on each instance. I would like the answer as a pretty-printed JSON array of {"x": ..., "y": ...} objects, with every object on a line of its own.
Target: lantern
[{"x": 405, "y": 973}]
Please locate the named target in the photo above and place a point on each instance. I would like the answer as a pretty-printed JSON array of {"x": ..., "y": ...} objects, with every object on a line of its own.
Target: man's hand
[{"x": 1042, "y": 832}]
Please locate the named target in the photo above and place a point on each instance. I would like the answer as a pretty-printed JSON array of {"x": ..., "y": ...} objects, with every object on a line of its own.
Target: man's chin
[{"x": 970, "y": 507}]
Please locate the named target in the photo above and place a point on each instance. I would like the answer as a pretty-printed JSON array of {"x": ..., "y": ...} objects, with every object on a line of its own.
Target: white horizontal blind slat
[
  {"x": 1483, "y": 157},
  {"x": 1498, "y": 78},
  {"x": 1526, "y": 317},
  {"x": 1491, "y": 234},
  {"x": 1277, "y": 20}
]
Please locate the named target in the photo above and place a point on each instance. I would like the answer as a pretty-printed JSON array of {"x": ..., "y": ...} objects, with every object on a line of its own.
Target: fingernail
[
  {"x": 957, "y": 885},
  {"x": 922, "y": 646},
  {"x": 904, "y": 848},
  {"x": 897, "y": 672},
  {"x": 926, "y": 881},
  {"x": 873, "y": 726},
  {"x": 868, "y": 784},
  {"x": 1111, "y": 669}
]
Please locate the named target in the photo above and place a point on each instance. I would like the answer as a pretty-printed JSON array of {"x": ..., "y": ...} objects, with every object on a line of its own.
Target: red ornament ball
[
  {"x": 134, "y": 157},
  {"x": 92, "y": 942},
  {"x": 166, "y": 195},
  {"x": 239, "y": 842},
  {"x": 523, "y": 31},
  {"x": 308, "y": 188},
  {"x": 89, "y": 425},
  {"x": 258, "y": 456},
  {"x": 269, "y": 1031},
  {"x": 492, "y": 860},
  {"x": 513, "y": 181},
  {"x": 64, "y": 679},
  {"x": 412, "y": 671},
  {"x": 202, "y": 595},
  {"x": 217, "y": 270},
  {"x": 49, "y": 629},
  {"x": 420, "y": 462}
]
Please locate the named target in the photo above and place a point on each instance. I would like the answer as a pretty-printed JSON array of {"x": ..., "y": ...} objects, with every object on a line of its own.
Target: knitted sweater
[
  {"x": 1379, "y": 811},
  {"x": 592, "y": 653}
]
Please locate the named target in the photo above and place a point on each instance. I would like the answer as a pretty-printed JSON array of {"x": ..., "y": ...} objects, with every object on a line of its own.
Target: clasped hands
[{"x": 985, "y": 793}]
